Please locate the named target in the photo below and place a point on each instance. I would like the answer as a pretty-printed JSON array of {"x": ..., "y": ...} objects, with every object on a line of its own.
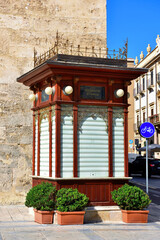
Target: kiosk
[{"x": 80, "y": 123}]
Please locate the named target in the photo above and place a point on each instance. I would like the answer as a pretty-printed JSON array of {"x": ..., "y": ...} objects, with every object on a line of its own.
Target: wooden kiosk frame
[{"x": 99, "y": 78}]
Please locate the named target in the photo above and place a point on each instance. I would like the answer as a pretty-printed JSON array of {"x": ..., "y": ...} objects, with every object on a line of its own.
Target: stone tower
[{"x": 25, "y": 24}]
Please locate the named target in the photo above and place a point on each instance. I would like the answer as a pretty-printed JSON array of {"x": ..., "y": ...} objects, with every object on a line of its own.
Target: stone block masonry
[{"x": 24, "y": 25}]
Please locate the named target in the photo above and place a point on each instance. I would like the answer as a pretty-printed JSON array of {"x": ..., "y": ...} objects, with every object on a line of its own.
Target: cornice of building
[{"x": 150, "y": 59}]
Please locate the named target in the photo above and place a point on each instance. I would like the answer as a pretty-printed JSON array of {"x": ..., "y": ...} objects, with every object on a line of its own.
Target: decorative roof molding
[{"x": 65, "y": 47}]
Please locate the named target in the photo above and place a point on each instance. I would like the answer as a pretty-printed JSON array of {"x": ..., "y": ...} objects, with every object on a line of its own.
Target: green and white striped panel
[
  {"x": 66, "y": 141},
  {"x": 36, "y": 145},
  {"x": 92, "y": 142},
  {"x": 44, "y": 148},
  {"x": 53, "y": 144},
  {"x": 118, "y": 142}
]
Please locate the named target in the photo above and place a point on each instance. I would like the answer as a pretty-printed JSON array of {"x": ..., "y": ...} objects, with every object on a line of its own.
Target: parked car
[
  {"x": 132, "y": 157},
  {"x": 138, "y": 166}
]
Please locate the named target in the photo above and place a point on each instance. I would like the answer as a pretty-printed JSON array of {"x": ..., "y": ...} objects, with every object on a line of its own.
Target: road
[{"x": 154, "y": 194}]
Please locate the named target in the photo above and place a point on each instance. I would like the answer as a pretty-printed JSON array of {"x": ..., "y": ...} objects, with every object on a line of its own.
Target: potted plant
[
  {"x": 70, "y": 206},
  {"x": 132, "y": 201},
  {"x": 42, "y": 199}
]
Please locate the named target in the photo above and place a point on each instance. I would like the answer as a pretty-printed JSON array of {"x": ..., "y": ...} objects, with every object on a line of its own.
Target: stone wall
[{"x": 25, "y": 24}]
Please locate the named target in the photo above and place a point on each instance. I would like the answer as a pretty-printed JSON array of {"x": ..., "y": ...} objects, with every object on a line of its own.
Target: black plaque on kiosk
[{"x": 92, "y": 92}]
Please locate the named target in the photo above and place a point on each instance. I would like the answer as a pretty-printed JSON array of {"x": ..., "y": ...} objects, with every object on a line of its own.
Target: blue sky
[{"x": 137, "y": 20}]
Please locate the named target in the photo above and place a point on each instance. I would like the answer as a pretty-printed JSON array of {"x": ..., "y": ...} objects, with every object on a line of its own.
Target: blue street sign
[
  {"x": 146, "y": 130},
  {"x": 130, "y": 141}
]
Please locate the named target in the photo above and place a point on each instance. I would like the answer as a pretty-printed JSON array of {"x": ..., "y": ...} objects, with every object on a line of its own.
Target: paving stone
[{"x": 16, "y": 228}]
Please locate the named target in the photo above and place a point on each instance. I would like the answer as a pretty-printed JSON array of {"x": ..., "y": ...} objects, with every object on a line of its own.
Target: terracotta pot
[
  {"x": 43, "y": 217},
  {"x": 70, "y": 218},
  {"x": 135, "y": 216}
]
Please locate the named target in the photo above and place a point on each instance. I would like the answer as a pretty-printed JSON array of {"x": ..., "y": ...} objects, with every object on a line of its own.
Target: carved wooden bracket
[
  {"x": 76, "y": 79},
  {"x": 127, "y": 83},
  {"x": 58, "y": 78},
  {"x": 111, "y": 82}
]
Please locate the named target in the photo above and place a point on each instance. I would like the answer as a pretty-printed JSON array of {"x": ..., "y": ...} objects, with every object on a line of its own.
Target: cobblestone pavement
[{"x": 17, "y": 224}]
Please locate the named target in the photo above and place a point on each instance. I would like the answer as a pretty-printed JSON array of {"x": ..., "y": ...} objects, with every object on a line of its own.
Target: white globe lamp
[
  {"x": 119, "y": 93},
  {"x": 32, "y": 97},
  {"x": 68, "y": 90},
  {"x": 48, "y": 90}
]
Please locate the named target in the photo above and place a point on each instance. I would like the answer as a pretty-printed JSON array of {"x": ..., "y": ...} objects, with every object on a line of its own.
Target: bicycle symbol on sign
[{"x": 145, "y": 129}]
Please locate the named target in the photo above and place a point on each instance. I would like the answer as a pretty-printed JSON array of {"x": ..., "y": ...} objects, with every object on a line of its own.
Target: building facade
[{"x": 147, "y": 94}]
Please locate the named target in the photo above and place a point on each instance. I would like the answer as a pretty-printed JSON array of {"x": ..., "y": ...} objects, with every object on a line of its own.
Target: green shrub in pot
[
  {"x": 130, "y": 198},
  {"x": 69, "y": 200},
  {"x": 41, "y": 197}
]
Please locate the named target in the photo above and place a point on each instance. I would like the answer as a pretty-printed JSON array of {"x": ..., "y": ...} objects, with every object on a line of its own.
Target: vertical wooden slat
[
  {"x": 57, "y": 141},
  {"x": 75, "y": 92},
  {"x": 110, "y": 91},
  {"x": 57, "y": 88},
  {"x": 75, "y": 142},
  {"x": 38, "y": 148},
  {"x": 50, "y": 142},
  {"x": 110, "y": 148},
  {"x": 33, "y": 157},
  {"x": 125, "y": 142},
  {"x": 75, "y": 126}
]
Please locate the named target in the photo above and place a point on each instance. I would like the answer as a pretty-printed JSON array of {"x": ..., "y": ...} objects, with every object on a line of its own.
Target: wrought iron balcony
[{"x": 155, "y": 119}]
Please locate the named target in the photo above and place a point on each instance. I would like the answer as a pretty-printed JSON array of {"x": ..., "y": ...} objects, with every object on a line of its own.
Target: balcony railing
[
  {"x": 62, "y": 46},
  {"x": 155, "y": 119}
]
